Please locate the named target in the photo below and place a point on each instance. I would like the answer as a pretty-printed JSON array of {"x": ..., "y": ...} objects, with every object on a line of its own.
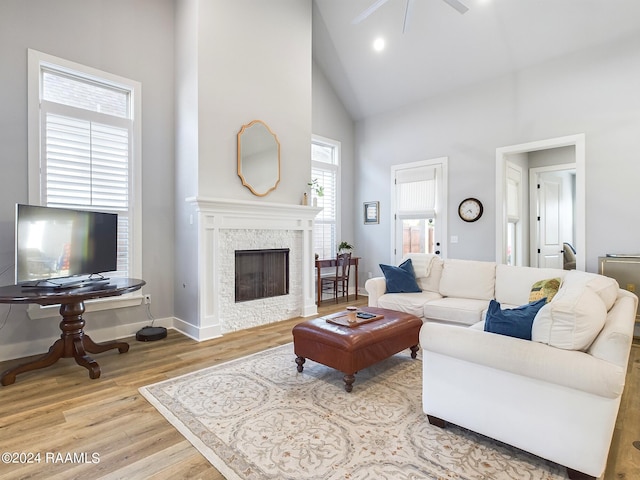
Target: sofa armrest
[
  {"x": 613, "y": 343},
  {"x": 573, "y": 369},
  {"x": 375, "y": 287}
]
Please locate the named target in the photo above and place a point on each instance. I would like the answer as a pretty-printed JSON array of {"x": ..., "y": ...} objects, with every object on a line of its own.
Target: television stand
[{"x": 73, "y": 342}]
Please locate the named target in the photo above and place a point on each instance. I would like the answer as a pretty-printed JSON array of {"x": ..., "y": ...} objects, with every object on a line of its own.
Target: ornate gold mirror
[{"x": 258, "y": 158}]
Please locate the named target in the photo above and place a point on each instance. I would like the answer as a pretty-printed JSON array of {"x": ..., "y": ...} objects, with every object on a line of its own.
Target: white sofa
[{"x": 557, "y": 395}]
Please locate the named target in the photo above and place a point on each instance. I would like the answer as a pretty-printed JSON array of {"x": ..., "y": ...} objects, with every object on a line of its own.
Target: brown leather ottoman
[{"x": 350, "y": 349}]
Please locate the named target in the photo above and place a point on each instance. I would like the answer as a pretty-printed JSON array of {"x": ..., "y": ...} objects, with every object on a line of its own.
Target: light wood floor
[{"x": 60, "y": 410}]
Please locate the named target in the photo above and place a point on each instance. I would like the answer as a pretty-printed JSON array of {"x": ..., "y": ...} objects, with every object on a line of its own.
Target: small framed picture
[{"x": 371, "y": 212}]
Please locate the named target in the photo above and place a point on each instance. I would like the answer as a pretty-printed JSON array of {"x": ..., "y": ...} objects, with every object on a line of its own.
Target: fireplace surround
[{"x": 225, "y": 226}]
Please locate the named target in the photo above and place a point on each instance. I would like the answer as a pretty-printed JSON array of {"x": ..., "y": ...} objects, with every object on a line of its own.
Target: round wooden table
[{"x": 73, "y": 342}]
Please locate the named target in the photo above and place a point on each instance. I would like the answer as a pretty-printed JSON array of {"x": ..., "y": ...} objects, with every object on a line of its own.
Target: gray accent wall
[
  {"x": 594, "y": 92},
  {"x": 131, "y": 39}
]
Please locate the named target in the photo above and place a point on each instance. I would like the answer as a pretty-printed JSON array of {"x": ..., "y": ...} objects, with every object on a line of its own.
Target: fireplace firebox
[{"x": 261, "y": 273}]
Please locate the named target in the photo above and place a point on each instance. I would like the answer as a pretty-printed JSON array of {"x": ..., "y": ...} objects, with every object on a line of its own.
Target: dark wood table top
[{"x": 47, "y": 296}]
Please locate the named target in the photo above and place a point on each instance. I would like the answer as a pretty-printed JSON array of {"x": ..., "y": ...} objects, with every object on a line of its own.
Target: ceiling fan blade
[
  {"x": 458, "y": 5},
  {"x": 372, "y": 8},
  {"x": 407, "y": 16}
]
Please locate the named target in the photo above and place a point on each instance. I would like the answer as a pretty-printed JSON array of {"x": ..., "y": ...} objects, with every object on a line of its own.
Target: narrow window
[
  {"x": 325, "y": 160},
  {"x": 86, "y": 133}
]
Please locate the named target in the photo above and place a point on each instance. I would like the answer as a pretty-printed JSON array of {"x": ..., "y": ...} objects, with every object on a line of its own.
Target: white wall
[
  {"x": 254, "y": 63},
  {"x": 331, "y": 120},
  {"x": 592, "y": 92},
  {"x": 185, "y": 291},
  {"x": 246, "y": 60},
  {"x": 130, "y": 39}
]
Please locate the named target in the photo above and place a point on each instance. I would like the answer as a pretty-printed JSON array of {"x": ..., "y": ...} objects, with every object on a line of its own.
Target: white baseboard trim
[{"x": 194, "y": 332}]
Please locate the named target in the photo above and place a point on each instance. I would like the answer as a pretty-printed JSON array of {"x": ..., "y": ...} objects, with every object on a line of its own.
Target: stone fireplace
[{"x": 228, "y": 226}]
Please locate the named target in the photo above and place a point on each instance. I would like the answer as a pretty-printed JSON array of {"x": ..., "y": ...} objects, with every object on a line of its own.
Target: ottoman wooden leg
[
  {"x": 348, "y": 382},
  {"x": 300, "y": 361},
  {"x": 414, "y": 351}
]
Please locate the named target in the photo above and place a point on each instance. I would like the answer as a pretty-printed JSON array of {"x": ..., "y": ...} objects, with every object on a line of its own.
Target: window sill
[{"x": 128, "y": 300}]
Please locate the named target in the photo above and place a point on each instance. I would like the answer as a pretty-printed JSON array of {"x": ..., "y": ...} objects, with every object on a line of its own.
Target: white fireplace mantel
[{"x": 216, "y": 218}]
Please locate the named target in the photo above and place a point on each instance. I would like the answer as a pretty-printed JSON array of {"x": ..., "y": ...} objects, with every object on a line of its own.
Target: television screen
[{"x": 55, "y": 243}]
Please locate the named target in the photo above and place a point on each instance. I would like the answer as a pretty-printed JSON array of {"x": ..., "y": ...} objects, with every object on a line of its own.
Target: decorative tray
[{"x": 352, "y": 319}]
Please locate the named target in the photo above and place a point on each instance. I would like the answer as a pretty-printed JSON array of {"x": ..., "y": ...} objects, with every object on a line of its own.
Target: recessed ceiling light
[{"x": 378, "y": 44}]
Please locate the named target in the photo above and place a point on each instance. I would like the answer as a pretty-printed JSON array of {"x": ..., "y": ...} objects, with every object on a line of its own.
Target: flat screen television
[{"x": 59, "y": 247}]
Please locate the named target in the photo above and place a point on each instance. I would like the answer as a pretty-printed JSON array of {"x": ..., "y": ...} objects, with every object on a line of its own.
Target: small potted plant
[
  {"x": 344, "y": 247},
  {"x": 316, "y": 187}
]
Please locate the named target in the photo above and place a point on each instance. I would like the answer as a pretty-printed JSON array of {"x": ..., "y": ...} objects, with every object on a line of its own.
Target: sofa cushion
[
  {"x": 466, "y": 311},
  {"x": 400, "y": 279},
  {"x": 513, "y": 284},
  {"x": 513, "y": 322},
  {"x": 605, "y": 287},
  {"x": 572, "y": 320},
  {"x": 428, "y": 270},
  {"x": 412, "y": 303},
  {"x": 468, "y": 279},
  {"x": 545, "y": 289}
]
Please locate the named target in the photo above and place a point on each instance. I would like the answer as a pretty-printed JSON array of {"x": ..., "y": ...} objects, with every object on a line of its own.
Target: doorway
[
  {"x": 552, "y": 225},
  {"x": 504, "y": 228}
]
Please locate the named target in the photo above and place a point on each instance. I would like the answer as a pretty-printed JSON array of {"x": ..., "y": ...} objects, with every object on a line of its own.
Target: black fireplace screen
[{"x": 261, "y": 273}]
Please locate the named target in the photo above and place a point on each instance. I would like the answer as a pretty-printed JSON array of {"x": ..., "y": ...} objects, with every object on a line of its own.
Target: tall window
[
  {"x": 325, "y": 161},
  {"x": 83, "y": 136}
]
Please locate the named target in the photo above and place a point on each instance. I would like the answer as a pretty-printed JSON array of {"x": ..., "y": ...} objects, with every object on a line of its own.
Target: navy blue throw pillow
[
  {"x": 400, "y": 279},
  {"x": 514, "y": 322}
]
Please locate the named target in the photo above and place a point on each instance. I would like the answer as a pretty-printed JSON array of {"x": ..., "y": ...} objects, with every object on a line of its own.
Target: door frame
[{"x": 502, "y": 154}]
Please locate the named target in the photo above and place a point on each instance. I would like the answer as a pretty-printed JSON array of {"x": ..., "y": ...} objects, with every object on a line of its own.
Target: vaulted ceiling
[{"x": 443, "y": 50}]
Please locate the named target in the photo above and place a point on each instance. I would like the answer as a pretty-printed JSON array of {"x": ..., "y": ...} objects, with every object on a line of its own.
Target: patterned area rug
[{"x": 258, "y": 418}]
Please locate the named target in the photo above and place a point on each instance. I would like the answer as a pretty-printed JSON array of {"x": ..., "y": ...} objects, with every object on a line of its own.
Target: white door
[
  {"x": 419, "y": 222},
  {"x": 549, "y": 250}
]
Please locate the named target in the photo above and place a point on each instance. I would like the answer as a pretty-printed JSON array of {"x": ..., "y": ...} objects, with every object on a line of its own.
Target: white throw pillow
[
  {"x": 513, "y": 284},
  {"x": 605, "y": 287},
  {"x": 428, "y": 270},
  {"x": 572, "y": 320},
  {"x": 468, "y": 279}
]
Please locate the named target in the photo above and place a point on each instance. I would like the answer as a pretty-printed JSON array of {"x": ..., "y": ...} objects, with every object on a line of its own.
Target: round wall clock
[{"x": 470, "y": 209}]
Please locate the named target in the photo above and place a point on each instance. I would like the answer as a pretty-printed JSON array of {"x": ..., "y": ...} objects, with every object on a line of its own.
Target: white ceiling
[{"x": 444, "y": 50}]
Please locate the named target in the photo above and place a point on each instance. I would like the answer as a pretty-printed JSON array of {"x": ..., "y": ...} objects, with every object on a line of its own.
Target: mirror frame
[{"x": 245, "y": 182}]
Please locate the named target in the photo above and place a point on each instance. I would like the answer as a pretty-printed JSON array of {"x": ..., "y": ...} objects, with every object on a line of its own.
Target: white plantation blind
[
  {"x": 416, "y": 192},
  {"x": 324, "y": 169},
  {"x": 86, "y": 164},
  {"x": 86, "y": 151}
]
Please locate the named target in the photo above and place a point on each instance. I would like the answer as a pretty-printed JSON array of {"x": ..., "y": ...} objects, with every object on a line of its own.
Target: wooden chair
[{"x": 339, "y": 281}]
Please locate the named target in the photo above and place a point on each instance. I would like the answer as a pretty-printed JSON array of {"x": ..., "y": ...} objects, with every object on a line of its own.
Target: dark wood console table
[
  {"x": 73, "y": 342},
  {"x": 331, "y": 262}
]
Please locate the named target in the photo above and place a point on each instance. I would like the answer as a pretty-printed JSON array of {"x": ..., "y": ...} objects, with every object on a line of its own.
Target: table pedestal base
[{"x": 73, "y": 343}]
